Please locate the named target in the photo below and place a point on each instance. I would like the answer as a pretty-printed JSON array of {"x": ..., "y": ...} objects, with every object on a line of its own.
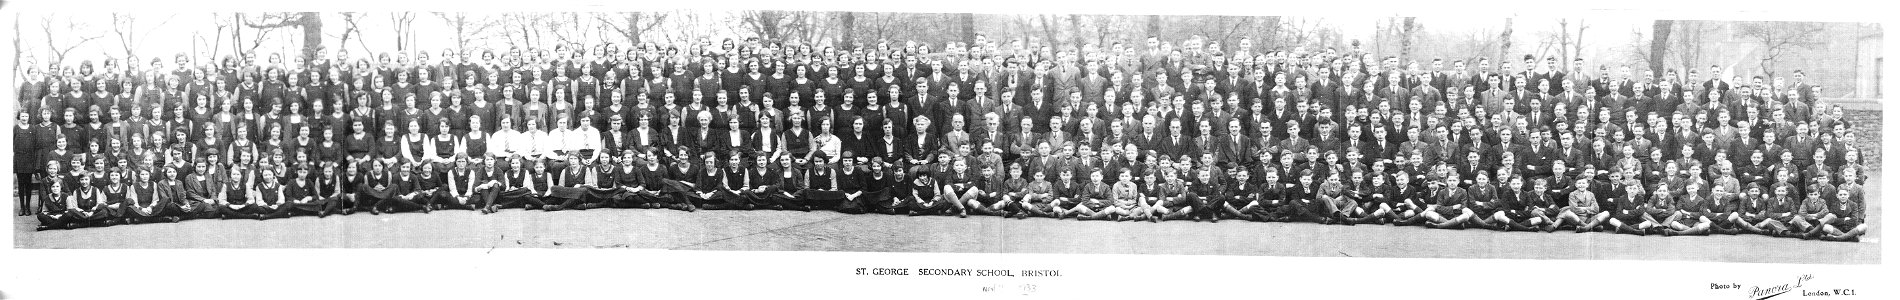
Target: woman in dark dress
[
  {"x": 389, "y": 147},
  {"x": 858, "y": 85},
  {"x": 360, "y": 145},
  {"x": 832, "y": 87},
  {"x": 26, "y": 160},
  {"x": 328, "y": 148},
  {"x": 779, "y": 85}
]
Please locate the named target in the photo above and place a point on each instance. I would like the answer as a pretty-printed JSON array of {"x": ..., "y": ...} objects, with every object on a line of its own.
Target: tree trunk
[
  {"x": 1154, "y": 25},
  {"x": 1048, "y": 31},
  {"x": 1406, "y": 31},
  {"x": 633, "y": 27},
  {"x": 1563, "y": 42},
  {"x": 849, "y": 23},
  {"x": 1075, "y": 24},
  {"x": 237, "y": 34},
  {"x": 768, "y": 25},
  {"x": 1505, "y": 50},
  {"x": 16, "y": 53},
  {"x": 1577, "y": 46},
  {"x": 967, "y": 22},
  {"x": 312, "y": 35},
  {"x": 1271, "y": 36},
  {"x": 461, "y": 31}
]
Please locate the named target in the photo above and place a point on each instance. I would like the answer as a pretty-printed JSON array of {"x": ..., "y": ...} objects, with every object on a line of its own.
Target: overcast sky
[{"x": 171, "y": 33}]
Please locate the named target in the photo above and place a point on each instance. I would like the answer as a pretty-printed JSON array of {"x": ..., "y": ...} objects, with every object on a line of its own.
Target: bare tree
[
  {"x": 1659, "y": 45},
  {"x": 1576, "y": 46},
  {"x": 18, "y": 67},
  {"x": 848, "y": 24},
  {"x": 791, "y": 26},
  {"x": 467, "y": 28},
  {"x": 257, "y": 37},
  {"x": 631, "y": 24},
  {"x": 1778, "y": 38},
  {"x": 799, "y": 27},
  {"x": 220, "y": 23},
  {"x": 567, "y": 27},
  {"x": 127, "y": 28},
  {"x": 352, "y": 28},
  {"x": 310, "y": 22},
  {"x": 1505, "y": 49},
  {"x": 967, "y": 22},
  {"x": 763, "y": 23},
  {"x": 78, "y": 32},
  {"x": 1048, "y": 30},
  {"x": 405, "y": 29},
  {"x": 1075, "y": 25},
  {"x": 1562, "y": 27},
  {"x": 1688, "y": 37},
  {"x": 1407, "y": 31},
  {"x": 1102, "y": 27},
  {"x": 1475, "y": 44},
  {"x": 520, "y": 25}
]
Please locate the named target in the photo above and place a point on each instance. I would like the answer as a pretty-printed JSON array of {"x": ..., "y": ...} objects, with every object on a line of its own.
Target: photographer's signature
[{"x": 1764, "y": 292}]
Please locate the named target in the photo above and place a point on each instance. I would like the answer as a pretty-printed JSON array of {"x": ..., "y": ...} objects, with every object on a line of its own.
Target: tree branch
[{"x": 281, "y": 20}]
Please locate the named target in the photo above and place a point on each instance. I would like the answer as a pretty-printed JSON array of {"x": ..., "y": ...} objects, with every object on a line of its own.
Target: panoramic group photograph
[{"x": 1600, "y": 137}]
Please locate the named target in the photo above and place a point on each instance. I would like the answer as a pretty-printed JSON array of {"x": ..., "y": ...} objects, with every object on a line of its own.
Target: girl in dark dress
[
  {"x": 116, "y": 194},
  {"x": 406, "y": 191},
  {"x": 788, "y": 186},
  {"x": 821, "y": 185},
  {"x": 465, "y": 188},
  {"x": 712, "y": 189},
  {"x": 302, "y": 194},
  {"x": 516, "y": 184},
  {"x": 376, "y": 187},
  {"x": 653, "y": 182},
  {"x": 626, "y": 184},
  {"x": 237, "y": 187},
  {"x": 540, "y": 188},
  {"x": 429, "y": 186},
  {"x": 144, "y": 202},
  {"x": 474, "y": 145},
  {"x": 56, "y": 209},
  {"x": 565, "y": 186}
]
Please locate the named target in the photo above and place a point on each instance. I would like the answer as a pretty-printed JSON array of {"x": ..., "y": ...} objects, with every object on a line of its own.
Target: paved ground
[{"x": 828, "y": 231}]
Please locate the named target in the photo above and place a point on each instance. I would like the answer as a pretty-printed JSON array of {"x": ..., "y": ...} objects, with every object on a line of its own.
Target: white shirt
[
  {"x": 585, "y": 138},
  {"x": 829, "y": 145},
  {"x": 547, "y": 143},
  {"x": 767, "y": 139},
  {"x": 645, "y": 135},
  {"x": 502, "y": 143}
]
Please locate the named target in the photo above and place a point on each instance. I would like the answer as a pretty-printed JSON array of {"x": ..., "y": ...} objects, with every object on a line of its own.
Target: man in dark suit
[
  {"x": 1176, "y": 143},
  {"x": 1715, "y": 84},
  {"x": 1234, "y": 150}
]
